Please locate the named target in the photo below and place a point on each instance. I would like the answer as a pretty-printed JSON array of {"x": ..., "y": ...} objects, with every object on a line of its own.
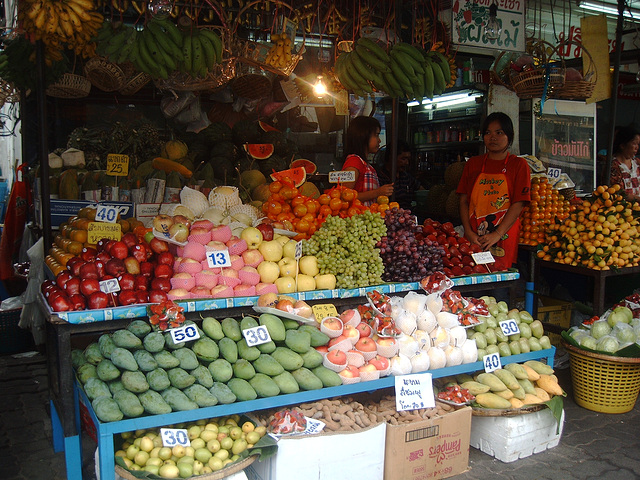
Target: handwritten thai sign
[
  {"x": 470, "y": 18},
  {"x": 414, "y": 391}
]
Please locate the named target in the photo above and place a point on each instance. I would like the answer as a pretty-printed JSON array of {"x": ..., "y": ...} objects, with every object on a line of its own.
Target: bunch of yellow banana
[
  {"x": 279, "y": 55},
  {"x": 405, "y": 71},
  {"x": 61, "y": 24}
]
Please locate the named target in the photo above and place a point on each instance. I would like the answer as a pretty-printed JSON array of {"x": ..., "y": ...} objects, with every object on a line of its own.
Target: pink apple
[
  {"x": 202, "y": 224},
  {"x": 332, "y": 323},
  {"x": 339, "y": 343},
  {"x": 364, "y": 329},
  {"x": 252, "y": 257},
  {"x": 351, "y": 316},
  {"x": 350, "y": 372},
  {"x": 367, "y": 367},
  {"x": 351, "y": 333},
  {"x": 337, "y": 357},
  {"x": 177, "y": 294},
  {"x": 386, "y": 341},
  {"x": 200, "y": 292},
  {"x": 379, "y": 362},
  {"x": 366, "y": 344},
  {"x": 216, "y": 245},
  {"x": 323, "y": 349}
]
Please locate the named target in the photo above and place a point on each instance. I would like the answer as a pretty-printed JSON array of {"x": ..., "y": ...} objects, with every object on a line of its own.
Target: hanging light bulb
[
  {"x": 319, "y": 89},
  {"x": 492, "y": 28},
  {"x": 160, "y": 8}
]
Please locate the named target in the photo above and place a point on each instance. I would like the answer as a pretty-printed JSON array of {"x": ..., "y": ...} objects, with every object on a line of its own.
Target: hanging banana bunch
[
  {"x": 405, "y": 71},
  {"x": 61, "y": 24}
]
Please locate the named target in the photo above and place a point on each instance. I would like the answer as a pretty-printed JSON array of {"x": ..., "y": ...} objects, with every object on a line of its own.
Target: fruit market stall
[{"x": 213, "y": 376}]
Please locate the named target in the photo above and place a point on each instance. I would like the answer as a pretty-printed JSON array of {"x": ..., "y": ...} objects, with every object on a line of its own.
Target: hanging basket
[
  {"x": 8, "y": 93},
  {"x": 252, "y": 82},
  {"x": 501, "y": 67},
  {"x": 578, "y": 89},
  {"x": 257, "y": 54},
  {"x": 70, "y": 85},
  {"x": 548, "y": 72},
  {"x": 103, "y": 74}
]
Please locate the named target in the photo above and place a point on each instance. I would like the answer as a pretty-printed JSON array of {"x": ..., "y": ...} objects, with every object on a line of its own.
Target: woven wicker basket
[
  {"x": 578, "y": 89},
  {"x": 220, "y": 474},
  {"x": 252, "y": 82},
  {"x": 8, "y": 93},
  {"x": 547, "y": 76},
  {"x": 134, "y": 79},
  {"x": 103, "y": 74},
  {"x": 70, "y": 85},
  {"x": 221, "y": 74}
]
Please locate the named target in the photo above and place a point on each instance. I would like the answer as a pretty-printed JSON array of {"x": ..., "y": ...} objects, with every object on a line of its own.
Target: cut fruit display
[
  {"x": 259, "y": 151},
  {"x": 297, "y": 175},
  {"x": 309, "y": 167}
]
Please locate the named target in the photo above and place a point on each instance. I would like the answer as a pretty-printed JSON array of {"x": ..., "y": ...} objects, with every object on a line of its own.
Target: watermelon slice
[
  {"x": 259, "y": 151},
  {"x": 266, "y": 127},
  {"x": 308, "y": 165},
  {"x": 297, "y": 175}
]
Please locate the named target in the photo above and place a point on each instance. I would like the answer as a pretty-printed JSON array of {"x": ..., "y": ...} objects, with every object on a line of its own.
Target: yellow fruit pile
[
  {"x": 61, "y": 24},
  {"x": 546, "y": 205},
  {"x": 602, "y": 233},
  {"x": 280, "y": 54}
]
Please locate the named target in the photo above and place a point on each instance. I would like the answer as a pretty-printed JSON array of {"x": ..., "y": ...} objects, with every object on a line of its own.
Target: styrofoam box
[
  {"x": 511, "y": 438},
  {"x": 328, "y": 456}
]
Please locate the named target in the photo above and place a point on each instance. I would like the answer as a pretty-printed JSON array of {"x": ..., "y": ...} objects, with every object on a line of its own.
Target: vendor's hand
[
  {"x": 489, "y": 240},
  {"x": 386, "y": 190},
  {"x": 472, "y": 236}
]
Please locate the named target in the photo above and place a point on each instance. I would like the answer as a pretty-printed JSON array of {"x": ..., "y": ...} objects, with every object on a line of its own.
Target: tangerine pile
[
  {"x": 546, "y": 205},
  {"x": 303, "y": 214}
]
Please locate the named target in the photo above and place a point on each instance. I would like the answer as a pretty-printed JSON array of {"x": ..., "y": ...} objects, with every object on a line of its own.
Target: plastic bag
[
  {"x": 32, "y": 316},
  {"x": 288, "y": 421},
  {"x": 17, "y": 209}
]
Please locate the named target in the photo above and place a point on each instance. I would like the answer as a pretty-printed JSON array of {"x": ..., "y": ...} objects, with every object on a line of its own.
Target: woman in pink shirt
[{"x": 363, "y": 139}]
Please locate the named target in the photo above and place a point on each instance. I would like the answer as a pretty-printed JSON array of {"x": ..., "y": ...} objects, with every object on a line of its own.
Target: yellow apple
[
  {"x": 286, "y": 284},
  {"x": 309, "y": 265},
  {"x": 289, "y": 249},
  {"x": 271, "y": 251},
  {"x": 306, "y": 283},
  {"x": 288, "y": 267},
  {"x": 269, "y": 272},
  {"x": 326, "y": 281}
]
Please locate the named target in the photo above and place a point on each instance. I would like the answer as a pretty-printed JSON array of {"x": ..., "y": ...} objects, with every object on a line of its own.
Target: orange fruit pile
[{"x": 546, "y": 205}]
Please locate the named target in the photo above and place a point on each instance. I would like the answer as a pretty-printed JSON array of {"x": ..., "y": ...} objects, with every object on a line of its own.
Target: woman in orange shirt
[{"x": 494, "y": 189}]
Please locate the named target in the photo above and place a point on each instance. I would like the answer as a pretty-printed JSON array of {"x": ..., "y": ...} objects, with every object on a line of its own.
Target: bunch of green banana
[
  {"x": 419, "y": 73},
  {"x": 201, "y": 50},
  {"x": 364, "y": 68},
  {"x": 115, "y": 41}
]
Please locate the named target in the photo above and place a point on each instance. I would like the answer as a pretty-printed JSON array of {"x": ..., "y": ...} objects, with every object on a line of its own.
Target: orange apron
[{"x": 488, "y": 204}]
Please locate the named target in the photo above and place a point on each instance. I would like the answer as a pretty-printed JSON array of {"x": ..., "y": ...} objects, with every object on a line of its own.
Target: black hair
[
  {"x": 401, "y": 147},
  {"x": 358, "y": 135},
  {"x": 505, "y": 124},
  {"x": 623, "y": 135}
]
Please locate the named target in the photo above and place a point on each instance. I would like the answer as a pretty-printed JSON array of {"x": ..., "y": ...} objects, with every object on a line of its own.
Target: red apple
[
  {"x": 114, "y": 267},
  {"x": 333, "y": 323},
  {"x": 165, "y": 258},
  {"x": 127, "y": 281},
  {"x": 127, "y": 297},
  {"x": 72, "y": 261},
  {"x": 163, "y": 271},
  {"x": 89, "y": 286},
  {"x": 364, "y": 329},
  {"x": 156, "y": 296},
  {"x": 46, "y": 286},
  {"x": 132, "y": 265},
  {"x": 72, "y": 287},
  {"x": 267, "y": 232},
  {"x": 351, "y": 333},
  {"x": 350, "y": 372},
  {"x": 101, "y": 245},
  {"x": 54, "y": 293},
  {"x": 323, "y": 349},
  {"x": 142, "y": 296},
  {"x": 75, "y": 266},
  {"x": 108, "y": 246},
  {"x": 119, "y": 250},
  {"x": 158, "y": 246},
  {"x": 147, "y": 268},
  {"x": 103, "y": 257},
  {"x": 62, "y": 278},
  {"x": 129, "y": 239},
  {"x": 141, "y": 282},
  {"x": 139, "y": 252},
  {"x": 78, "y": 301},
  {"x": 366, "y": 344},
  {"x": 61, "y": 303},
  {"x": 89, "y": 271},
  {"x": 98, "y": 300},
  {"x": 162, "y": 284}
]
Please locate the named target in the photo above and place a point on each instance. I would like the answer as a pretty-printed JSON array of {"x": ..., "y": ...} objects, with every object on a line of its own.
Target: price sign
[
  {"x": 298, "y": 252},
  {"x": 509, "y": 327},
  {"x": 553, "y": 174},
  {"x": 491, "y": 362},
  {"x": 342, "y": 176},
  {"x": 482, "y": 257},
  {"x": 96, "y": 231},
  {"x": 256, "y": 335},
  {"x": 174, "y": 436},
  {"x": 414, "y": 392},
  {"x": 184, "y": 334},
  {"x": 109, "y": 286},
  {"x": 106, "y": 213},
  {"x": 117, "y": 165},
  {"x": 218, "y": 258},
  {"x": 324, "y": 310}
]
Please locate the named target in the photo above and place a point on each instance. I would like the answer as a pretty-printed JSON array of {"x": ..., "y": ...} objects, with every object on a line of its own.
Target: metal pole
[
  {"x": 395, "y": 114},
  {"x": 43, "y": 147},
  {"x": 614, "y": 91}
]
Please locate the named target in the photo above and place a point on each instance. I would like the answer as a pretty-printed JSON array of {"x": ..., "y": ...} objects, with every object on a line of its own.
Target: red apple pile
[
  {"x": 457, "y": 260},
  {"x": 143, "y": 271}
]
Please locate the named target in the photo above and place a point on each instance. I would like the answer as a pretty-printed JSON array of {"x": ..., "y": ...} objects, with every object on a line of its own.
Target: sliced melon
[
  {"x": 297, "y": 175},
  {"x": 266, "y": 127},
  {"x": 259, "y": 151},
  {"x": 308, "y": 165}
]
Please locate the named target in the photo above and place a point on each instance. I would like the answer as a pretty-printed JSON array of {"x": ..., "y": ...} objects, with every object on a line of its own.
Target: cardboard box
[
  {"x": 430, "y": 449},
  {"x": 61, "y": 210},
  {"x": 327, "y": 456},
  {"x": 511, "y": 438}
]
